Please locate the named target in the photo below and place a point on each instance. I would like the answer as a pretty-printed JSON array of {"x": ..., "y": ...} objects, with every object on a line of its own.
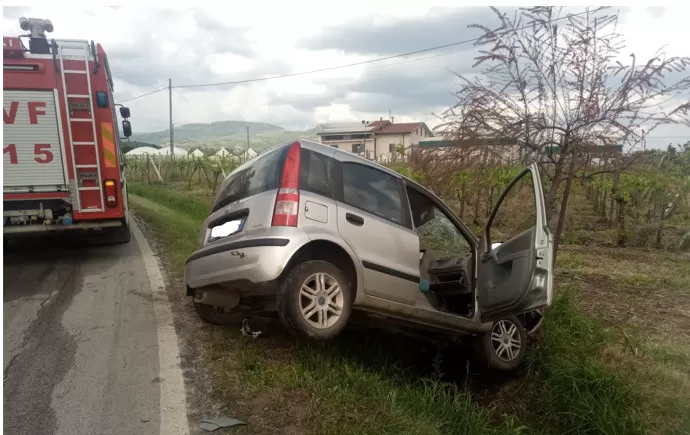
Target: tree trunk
[
  {"x": 553, "y": 191},
  {"x": 622, "y": 238},
  {"x": 564, "y": 206},
  {"x": 491, "y": 201},
  {"x": 478, "y": 195},
  {"x": 659, "y": 234},
  {"x": 602, "y": 207}
]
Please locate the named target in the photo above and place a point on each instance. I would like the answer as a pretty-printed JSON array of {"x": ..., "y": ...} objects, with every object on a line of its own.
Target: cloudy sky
[{"x": 146, "y": 46}]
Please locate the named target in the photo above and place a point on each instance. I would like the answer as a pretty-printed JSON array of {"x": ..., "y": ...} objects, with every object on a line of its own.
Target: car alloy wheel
[
  {"x": 321, "y": 300},
  {"x": 314, "y": 301},
  {"x": 506, "y": 340}
]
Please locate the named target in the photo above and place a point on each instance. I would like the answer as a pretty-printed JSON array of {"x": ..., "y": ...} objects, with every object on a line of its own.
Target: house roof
[
  {"x": 403, "y": 127},
  {"x": 376, "y": 125},
  {"x": 343, "y": 127}
]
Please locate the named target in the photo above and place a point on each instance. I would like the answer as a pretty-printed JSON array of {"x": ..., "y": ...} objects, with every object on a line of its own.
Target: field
[{"x": 612, "y": 357}]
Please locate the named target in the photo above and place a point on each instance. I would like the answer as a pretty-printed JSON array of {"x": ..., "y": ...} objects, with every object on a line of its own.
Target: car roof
[
  {"x": 319, "y": 147},
  {"x": 328, "y": 150}
]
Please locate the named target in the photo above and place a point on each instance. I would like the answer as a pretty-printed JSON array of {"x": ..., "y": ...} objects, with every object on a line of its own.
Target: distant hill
[{"x": 222, "y": 133}]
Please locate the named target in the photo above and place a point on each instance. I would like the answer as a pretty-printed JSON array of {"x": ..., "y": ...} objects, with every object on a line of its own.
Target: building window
[
  {"x": 359, "y": 136},
  {"x": 391, "y": 147},
  {"x": 333, "y": 137},
  {"x": 357, "y": 148}
]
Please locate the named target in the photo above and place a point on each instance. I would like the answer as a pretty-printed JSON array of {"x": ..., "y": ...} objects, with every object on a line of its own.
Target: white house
[{"x": 376, "y": 140}]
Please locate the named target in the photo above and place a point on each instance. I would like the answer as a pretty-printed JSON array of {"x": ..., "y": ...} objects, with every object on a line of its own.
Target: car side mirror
[
  {"x": 124, "y": 112},
  {"x": 126, "y": 128},
  {"x": 495, "y": 245}
]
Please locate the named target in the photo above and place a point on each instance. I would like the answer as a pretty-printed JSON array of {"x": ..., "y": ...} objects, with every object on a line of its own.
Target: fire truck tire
[{"x": 121, "y": 235}]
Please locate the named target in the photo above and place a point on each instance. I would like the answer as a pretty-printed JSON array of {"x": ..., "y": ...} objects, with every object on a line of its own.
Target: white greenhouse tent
[
  {"x": 178, "y": 151},
  {"x": 197, "y": 153},
  {"x": 223, "y": 153},
  {"x": 249, "y": 154},
  {"x": 142, "y": 151}
]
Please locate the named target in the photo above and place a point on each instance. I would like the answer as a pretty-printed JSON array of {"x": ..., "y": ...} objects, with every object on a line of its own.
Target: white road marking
[{"x": 173, "y": 403}]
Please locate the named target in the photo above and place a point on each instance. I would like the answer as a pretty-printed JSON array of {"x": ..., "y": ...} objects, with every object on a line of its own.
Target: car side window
[
  {"x": 373, "y": 191},
  {"x": 435, "y": 229},
  {"x": 316, "y": 173}
]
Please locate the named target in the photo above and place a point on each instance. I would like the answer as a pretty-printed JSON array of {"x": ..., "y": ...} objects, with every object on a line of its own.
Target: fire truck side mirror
[
  {"x": 126, "y": 128},
  {"x": 124, "y": 112}
]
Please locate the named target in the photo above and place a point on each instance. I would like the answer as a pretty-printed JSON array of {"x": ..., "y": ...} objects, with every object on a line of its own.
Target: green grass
[
  {"x": 353, "y": 397},
  {"x": 575, "y": 391},
  {"x": 579, "y": 379}
]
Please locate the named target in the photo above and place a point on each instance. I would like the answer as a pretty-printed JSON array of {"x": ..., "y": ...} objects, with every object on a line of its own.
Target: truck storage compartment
[{"x": 32, "y": 146}]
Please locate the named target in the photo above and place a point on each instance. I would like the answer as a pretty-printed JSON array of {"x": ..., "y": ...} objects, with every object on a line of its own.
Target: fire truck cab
[{"x": 62, "y": 168}]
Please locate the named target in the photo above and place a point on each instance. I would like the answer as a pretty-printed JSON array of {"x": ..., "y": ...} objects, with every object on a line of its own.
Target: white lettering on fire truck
[
  {"x": 34, "y": 108},
  {"x": 41, "y": 152}
]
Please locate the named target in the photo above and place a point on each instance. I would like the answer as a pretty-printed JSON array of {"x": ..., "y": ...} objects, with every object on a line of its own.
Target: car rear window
[{"x": 263, "y": 174}]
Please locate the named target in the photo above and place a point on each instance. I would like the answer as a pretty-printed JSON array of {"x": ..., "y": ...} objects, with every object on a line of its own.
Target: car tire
[
  {"x": 306, "y": 307},
  {"x": 218, "y": 316},
  {"x": 504, "y": 346}
]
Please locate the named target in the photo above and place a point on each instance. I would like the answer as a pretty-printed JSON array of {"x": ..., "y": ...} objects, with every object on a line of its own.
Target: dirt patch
[{"x": 643, "y": 290}]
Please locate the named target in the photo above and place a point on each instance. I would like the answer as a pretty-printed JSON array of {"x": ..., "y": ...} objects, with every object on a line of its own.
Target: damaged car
[{"x": 322, "y": 238}]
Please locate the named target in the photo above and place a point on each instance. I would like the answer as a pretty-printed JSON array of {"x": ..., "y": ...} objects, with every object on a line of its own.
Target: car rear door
[
  {"x": 516, "y": 276},
  {"x": 374, "y": 220}
]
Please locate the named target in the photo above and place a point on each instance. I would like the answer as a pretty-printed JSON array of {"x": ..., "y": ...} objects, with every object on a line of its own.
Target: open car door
[{"x": 516, "y": 276}]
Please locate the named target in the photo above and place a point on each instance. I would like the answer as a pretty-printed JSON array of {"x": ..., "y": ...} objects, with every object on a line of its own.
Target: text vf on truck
[{"x": 62, "y": 168}]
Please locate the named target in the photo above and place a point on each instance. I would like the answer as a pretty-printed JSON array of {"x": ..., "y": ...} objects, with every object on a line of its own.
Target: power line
[
  {"x": 365, "y": 62},
  {"x": 143, "y": 95}
]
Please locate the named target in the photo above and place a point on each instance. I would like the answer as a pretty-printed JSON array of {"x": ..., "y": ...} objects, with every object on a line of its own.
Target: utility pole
[
  {"x": 172, "y": 134},
  {"x": 247, "y": 126}
]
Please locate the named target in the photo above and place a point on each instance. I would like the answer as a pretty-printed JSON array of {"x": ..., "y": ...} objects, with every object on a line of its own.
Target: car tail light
[
  {"x": 286, "y": 209},
  {"x": 110, "y": 193}
]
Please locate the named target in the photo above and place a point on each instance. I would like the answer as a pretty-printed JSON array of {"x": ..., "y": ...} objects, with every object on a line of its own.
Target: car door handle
[{"x": 354, "y": 219}]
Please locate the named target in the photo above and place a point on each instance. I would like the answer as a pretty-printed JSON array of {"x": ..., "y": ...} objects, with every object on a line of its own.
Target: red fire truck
[{"x": 62, "y": 168}]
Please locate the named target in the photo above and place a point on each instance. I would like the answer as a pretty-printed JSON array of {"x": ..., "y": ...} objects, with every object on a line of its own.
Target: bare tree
[{"x": 550, "y": 78}]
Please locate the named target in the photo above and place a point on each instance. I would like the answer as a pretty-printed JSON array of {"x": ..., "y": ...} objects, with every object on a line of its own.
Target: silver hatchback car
[{"x": 322, "y": 237}]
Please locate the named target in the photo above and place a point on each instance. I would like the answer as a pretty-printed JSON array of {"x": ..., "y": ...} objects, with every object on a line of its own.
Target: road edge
[{"x": 173, "y": 401}]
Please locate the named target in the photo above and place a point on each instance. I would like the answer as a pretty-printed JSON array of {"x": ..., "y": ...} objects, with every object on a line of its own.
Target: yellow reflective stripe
[{"x": 108, "y": 145}]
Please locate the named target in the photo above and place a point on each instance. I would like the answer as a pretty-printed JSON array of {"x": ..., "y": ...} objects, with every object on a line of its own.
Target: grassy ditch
[{"x": 582, "y": 376}]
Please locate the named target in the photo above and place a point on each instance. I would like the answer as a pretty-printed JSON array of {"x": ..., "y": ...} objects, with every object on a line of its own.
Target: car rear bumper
[{"x": 244, "y": 261}]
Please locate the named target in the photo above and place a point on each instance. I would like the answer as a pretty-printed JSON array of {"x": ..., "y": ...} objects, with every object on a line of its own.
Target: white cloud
[{"x": 232, "y": 42}]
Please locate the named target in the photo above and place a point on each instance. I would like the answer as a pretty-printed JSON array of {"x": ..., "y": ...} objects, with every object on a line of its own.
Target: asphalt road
[{"x": 81, "y": 340}]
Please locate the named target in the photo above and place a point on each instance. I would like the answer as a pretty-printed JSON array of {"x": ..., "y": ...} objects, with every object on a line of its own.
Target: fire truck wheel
[{"x": 121, "y": 235}]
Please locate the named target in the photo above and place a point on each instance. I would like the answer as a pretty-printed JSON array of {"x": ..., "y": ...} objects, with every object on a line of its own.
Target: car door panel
[
  {"x": 389, "y": 254},
  {"x": 373, "y": 218},
  {"x": 509, "y": 269},
  {"x": 517, "y": 276}
]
